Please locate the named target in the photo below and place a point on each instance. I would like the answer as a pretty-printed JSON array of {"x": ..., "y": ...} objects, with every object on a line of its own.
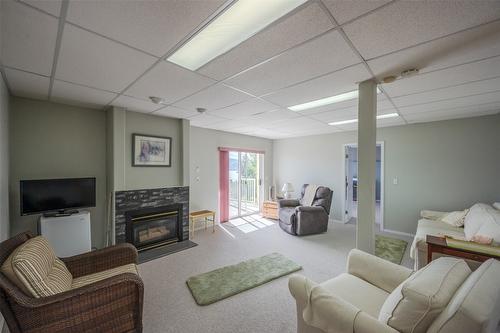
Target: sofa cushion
[
  {"x": 92, "y": 278},
  {"x": 357, "y": 292},
  {"x": 415, "y": 303},
  {"x": 475, "y": 307},
  {"x": 287, "y": 215},
  {"x": 435, "y": 228},
  {"x": 455, "y": 219},
  {"x": 37, "y": 269}
]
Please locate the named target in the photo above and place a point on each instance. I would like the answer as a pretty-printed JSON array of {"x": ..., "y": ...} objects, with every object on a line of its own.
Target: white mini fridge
[{"x": 68, "y": 235}]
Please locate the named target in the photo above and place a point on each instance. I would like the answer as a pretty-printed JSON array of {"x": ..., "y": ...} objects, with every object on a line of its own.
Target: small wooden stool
[{"x": 208, "y": 215}]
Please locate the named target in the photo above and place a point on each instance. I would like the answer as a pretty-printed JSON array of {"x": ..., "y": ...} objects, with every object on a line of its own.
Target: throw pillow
[
  {"x": 455, "y": 219},
  {"x": 39, "y": 270},
  {"x": 415, "y": 303},
  {"x": 496, "y": 205},
  {"x": 490, "y": 227},
  {"x": 477, "y": 216}
]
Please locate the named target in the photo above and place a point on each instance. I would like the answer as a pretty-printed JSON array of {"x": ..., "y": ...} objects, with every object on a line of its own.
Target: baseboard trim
[{"x": 398, "y": 232}]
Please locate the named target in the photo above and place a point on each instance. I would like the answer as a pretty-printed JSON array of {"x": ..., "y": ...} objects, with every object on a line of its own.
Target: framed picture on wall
[{"x": 151, "y": 151}]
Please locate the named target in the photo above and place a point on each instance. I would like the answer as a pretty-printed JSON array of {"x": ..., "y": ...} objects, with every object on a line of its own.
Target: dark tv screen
[{"x": 47, "y": 195}]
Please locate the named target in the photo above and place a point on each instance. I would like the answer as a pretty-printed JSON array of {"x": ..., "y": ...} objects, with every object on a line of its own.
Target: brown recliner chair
[
  {"x": 113, "y": 304},
  {"x": 296, "y": 219}
]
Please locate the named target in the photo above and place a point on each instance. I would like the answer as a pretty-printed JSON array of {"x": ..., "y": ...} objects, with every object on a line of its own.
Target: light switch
[{"x": 395, "y": 181}]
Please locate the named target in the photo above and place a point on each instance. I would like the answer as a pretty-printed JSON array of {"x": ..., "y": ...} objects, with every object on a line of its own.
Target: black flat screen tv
[{"x": 61, "y": 195}]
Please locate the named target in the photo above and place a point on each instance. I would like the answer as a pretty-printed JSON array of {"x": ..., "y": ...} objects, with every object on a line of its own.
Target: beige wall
[
  {"x": 4, "y": 163},
  {"x": 50, "y": 140},
  {"x": 445, "y": 165},
  {"x": 204, "y": 144}
]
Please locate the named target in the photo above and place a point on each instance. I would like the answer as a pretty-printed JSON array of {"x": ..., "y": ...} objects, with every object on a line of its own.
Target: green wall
[
  {"x": 50, "y": 140},
  {"x": 444, "y": 165}
]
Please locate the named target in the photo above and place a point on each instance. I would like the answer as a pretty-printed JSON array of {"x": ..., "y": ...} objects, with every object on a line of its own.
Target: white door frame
[{"x": 382, "y": 181}]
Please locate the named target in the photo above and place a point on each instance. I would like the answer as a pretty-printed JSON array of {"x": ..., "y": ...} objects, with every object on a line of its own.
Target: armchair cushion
[
  {"x": 415, "y": 303},
  {"x": 36, "y": 269},
  {"x": 92, "y": 278},
  {"x": 475, "y": 307},
  {"x": 288, "y": 203},
  {"x": 287, "y": 215},
  {"x": 379, "y": 272}
]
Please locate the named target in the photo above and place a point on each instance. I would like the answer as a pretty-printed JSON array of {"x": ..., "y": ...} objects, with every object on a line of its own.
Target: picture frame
[{"x": 151, "y": 150}]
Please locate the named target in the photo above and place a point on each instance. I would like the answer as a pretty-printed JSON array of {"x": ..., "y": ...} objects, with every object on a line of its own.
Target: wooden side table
[
  {"x": 438, "y": 245},
  {"x": 270, "y": 209},
  {"x": 207, "y": 215}
]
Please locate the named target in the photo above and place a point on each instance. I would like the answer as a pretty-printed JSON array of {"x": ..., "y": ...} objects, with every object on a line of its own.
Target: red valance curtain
[
  {"x": 223, "y": 185},
  {"x": 243, "y": 150}
]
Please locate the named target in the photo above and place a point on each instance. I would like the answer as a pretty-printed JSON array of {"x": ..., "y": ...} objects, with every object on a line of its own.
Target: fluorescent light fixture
[
  {"x": 388, "y": 115},
  {"x": 343, "y": 122},
  {"x": 240, "y": 21},
  {"x": 350, "y": 121},
  {"x": 326, "y": 101}
]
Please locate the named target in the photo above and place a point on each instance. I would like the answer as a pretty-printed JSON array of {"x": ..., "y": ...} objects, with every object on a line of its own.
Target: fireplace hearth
[{"x": 148, "y": 228}]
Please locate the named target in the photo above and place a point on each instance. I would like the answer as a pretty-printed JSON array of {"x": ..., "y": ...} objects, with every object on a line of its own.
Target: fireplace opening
[{"x": 148, "y": 228}]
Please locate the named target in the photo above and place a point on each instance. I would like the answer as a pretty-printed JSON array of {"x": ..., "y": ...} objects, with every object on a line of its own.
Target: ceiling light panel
[
  {"x": 280, "y": 36},
  {"x": 239, "y": 22},
  {"x": 326, "y": 101},
  {"x": 351, "y": 121}
]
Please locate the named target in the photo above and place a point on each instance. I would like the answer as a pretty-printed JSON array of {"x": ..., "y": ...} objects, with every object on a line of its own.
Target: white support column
[{"x": 367, "y": 147}]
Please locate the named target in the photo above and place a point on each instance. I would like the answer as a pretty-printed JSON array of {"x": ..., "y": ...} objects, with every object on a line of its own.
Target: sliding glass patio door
[{"x": 244, "y": 183}]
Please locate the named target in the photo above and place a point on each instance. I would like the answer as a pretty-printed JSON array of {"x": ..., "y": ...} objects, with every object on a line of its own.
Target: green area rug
[
  {"x": 391, "y": 249},
  {"x": 210, "y": 287}
]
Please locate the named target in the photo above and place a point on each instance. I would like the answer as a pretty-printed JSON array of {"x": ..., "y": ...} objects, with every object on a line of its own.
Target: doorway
[
  {"x": 245, "y": 180},
  {"x": 350, "y": 202}
]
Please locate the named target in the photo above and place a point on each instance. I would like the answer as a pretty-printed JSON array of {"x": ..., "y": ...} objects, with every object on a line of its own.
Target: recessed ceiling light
[
  {"x": 240, "y": 21},
  {"x": 350, "y": 121},
  {"x": 326, "y": 101}
]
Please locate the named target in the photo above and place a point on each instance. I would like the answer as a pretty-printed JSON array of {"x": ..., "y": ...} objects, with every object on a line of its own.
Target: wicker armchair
[{"x": 110, "y": 305}]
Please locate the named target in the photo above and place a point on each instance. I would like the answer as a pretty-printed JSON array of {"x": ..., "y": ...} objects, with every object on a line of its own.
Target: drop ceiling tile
[
  {"x": 213, "y": 98},
  {"x": 292, "y": 30},
  {"x": 336, "y": 115},
  {"x": 228, "y": 125},
  {"x": 346, "y": 10},
  {"x": 204, "y": 120},
  {"x": 27, "y": 85},
  {"x": 266, "y": 118},
  {"x": 245, "y": 109},
  {"x": 135, "y": 104},
  {"x": 397, "y": 121},
  {"x": 268, "y": 134},
  {"x": 407, "y": 23},
  {"x": 28, "y": 38},
  {"x": 50, "y": 6},
  {"x": 91, "y": 60},
  {"x": 467, "y": 89},
  {"x": 319, "y": 56},
  {"x": 467, "y": 101},
  {"x": 168, "y": 81},
  {"x": 153, "y": 26},
  {"x": 174, "y": 112},
  {"x": 467, "y": 46},
  {"x": 480, "y": 70},
  {"x": 74, "y": 94},
  {"x": 329, "y": 85},
  {"x": 296, "y": 125},
  {"x": 454, "y": 113}
]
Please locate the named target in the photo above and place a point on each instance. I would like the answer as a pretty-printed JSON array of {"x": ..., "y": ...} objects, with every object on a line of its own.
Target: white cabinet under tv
[{"x": 68, "y": 235}]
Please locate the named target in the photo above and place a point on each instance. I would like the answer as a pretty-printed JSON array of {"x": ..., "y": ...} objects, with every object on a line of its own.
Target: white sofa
[
  {"x": 480, "y": 219},
  {"x": 429, "y": 224},
  {"x": 377, "y": 296}
]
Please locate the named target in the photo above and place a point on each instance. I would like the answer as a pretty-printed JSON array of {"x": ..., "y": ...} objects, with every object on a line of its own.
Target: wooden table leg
[{"x": 430, "y": 250}]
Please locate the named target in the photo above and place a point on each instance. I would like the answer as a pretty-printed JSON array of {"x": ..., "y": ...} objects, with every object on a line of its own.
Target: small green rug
[
  {"x": 210, "y": 287},
  {"x": 391, "y": 249}
]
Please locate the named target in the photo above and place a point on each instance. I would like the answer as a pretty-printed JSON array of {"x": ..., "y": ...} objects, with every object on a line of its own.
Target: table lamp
[{"x": 287, "y": 190}]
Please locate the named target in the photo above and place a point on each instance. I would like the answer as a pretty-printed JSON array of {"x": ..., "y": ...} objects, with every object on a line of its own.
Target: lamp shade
[{"x": 287, "y": 187}]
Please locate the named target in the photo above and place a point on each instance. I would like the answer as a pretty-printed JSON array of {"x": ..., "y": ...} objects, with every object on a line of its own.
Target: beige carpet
[{"x": 169, "y": 306}]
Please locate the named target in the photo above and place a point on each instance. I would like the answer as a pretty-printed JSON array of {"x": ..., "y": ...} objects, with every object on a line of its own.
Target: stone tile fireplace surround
[{"x": 127, "y": 202}]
